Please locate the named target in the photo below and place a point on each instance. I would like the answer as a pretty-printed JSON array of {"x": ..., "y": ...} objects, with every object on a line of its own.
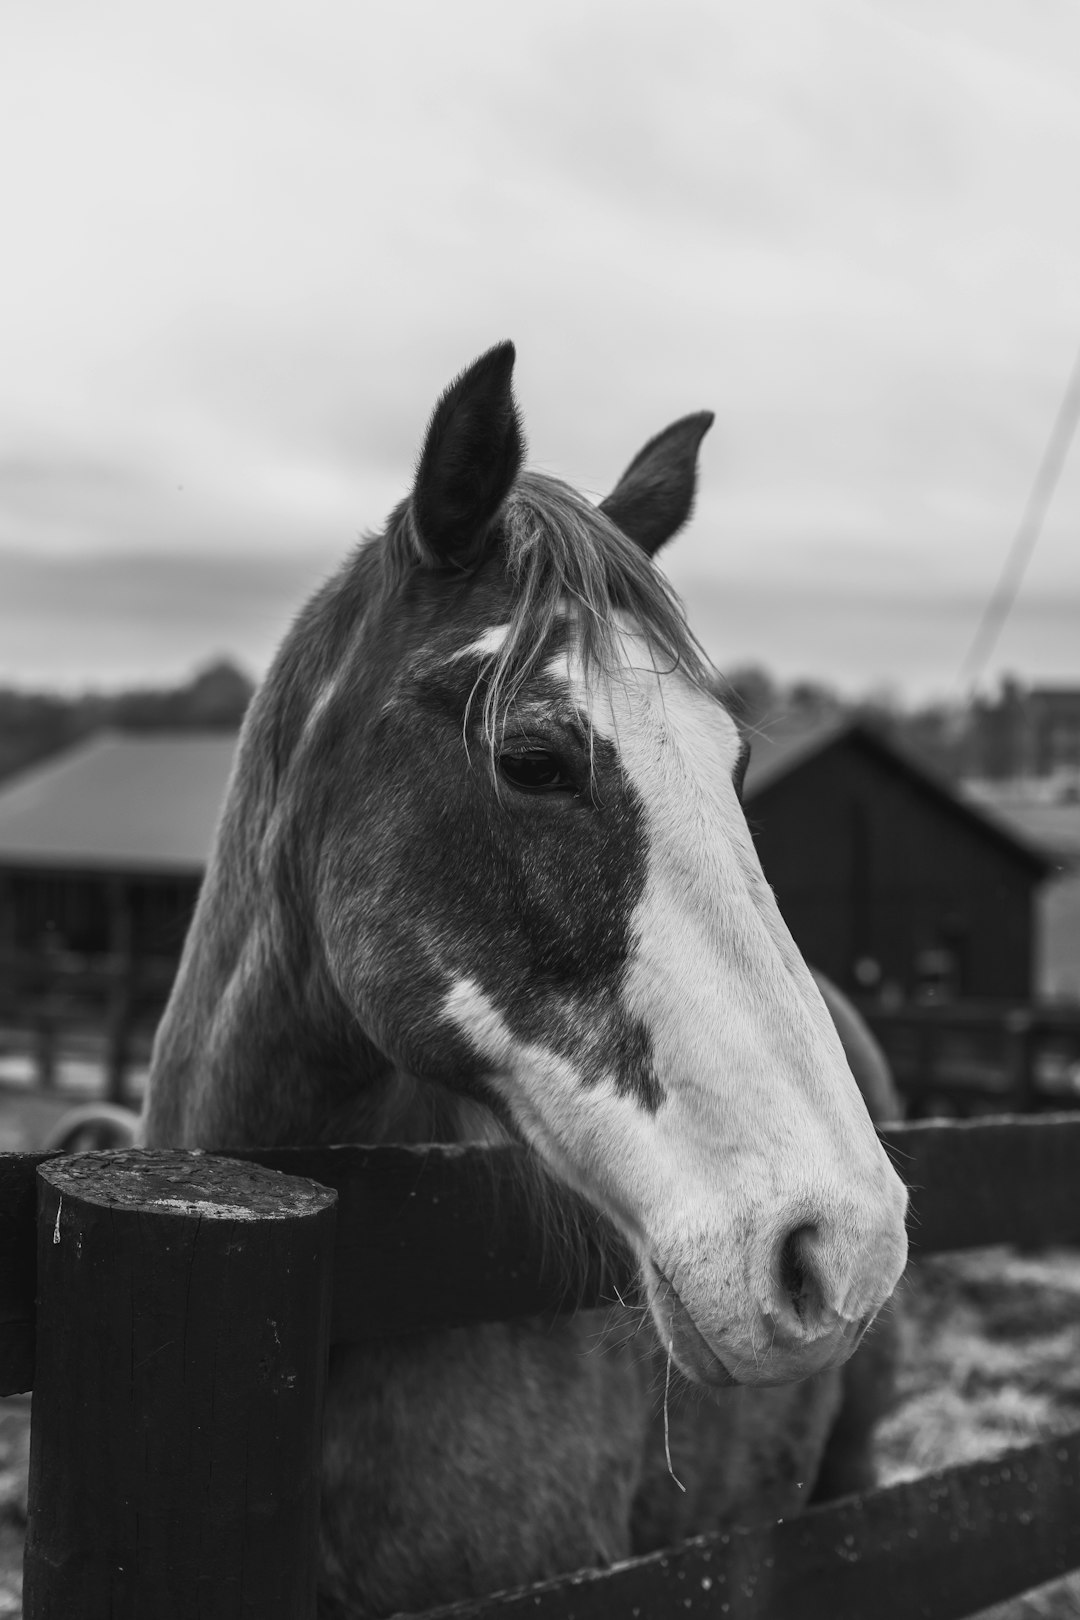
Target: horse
[{"x": 483, "y": 873}]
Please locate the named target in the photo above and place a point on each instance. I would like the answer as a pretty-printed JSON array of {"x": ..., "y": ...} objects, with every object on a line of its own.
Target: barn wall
[
  {"x": 1058, "y": 955},
  {"x": 866, "y": 864},
  {"x": 77, "y": 911}
]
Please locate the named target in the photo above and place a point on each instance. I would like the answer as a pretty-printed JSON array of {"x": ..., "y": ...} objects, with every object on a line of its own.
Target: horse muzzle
[{"x": 785, "y": 1331}]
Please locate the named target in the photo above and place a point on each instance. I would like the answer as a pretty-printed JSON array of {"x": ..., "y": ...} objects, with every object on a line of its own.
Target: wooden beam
[
  {"x": 449, "y": 1235},
  {"x": 943, "y": 1547},
  {"x": 975, "y": 1183}
]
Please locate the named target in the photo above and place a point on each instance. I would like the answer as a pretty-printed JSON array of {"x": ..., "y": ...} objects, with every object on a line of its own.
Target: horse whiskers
[
  {"x": 609, "y": 1339},
  {"x": 667, "y": 1429},
  {"x": 616, "y": 1332}
]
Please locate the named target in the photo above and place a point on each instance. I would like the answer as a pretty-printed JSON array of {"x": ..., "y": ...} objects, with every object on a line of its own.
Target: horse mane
[{"x": 559, "y": 550}]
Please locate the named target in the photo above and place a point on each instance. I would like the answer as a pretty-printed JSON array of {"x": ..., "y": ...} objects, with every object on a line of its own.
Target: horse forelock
[{"x": 559, "y": 554}]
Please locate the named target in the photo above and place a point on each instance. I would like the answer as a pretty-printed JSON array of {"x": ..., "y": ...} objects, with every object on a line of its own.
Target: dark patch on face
[
  {"x": 436, "y": 869},
  {"x": 615, "y": 1045}
]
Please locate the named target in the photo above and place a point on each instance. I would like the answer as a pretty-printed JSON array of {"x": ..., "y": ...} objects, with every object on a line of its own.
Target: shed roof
[
  {"x": 120, "y": 802},
  {"x": 150, "y": 802},
  {"x": 1053, "y": 824},
  {"x": 784, "y": 748}
]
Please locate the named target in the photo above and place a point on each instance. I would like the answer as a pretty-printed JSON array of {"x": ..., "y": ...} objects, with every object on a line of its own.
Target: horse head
[
  {"x": 500, "y": 813},
  {"x": 539, "y": 891}
]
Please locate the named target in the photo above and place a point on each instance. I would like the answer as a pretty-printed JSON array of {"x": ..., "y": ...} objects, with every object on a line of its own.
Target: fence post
[
  {"x": 1020, "y": 1060},
  {"x": 183, "y": 1319},
  {"x": 44, "y": 1027},
  {"x": 119, "y": 1008}
]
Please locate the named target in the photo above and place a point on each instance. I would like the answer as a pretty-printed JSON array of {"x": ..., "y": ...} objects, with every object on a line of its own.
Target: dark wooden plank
[
  {"x": 439, "y": 1237},
  {"x": 975, "y": 1183},
  {"x": 940, "y": 1548},
  {"x": 450, "y": 1235}
]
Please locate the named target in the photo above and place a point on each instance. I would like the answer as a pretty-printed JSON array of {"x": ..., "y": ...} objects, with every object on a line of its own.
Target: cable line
[{"x": 1001, "y": 602}]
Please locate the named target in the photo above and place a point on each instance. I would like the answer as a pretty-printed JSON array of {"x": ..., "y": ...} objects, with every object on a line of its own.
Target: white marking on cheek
[
  {"x": 588, "y": 1135},
  {"x": 470, "y": 1011}
]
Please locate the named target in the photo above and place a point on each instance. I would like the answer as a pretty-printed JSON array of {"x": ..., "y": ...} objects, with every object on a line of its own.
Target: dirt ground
[{"x": 992, "y": 1360}]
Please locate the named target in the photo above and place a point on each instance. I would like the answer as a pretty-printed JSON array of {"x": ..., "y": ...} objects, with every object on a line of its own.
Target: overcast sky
[{"x": 245, "y": 245}]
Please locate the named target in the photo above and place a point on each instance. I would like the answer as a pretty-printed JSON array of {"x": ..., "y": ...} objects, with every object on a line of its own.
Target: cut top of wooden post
[
  {"x": 182, "y": 1338},
  {"x": 183, "y": 1183}
]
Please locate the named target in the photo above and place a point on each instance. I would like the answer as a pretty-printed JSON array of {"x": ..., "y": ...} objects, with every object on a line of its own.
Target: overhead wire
[{"x": 1005, "y": 592}]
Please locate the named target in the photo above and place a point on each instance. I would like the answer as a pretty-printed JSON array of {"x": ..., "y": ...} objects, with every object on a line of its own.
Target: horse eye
[{"x": 534, "y": 771}]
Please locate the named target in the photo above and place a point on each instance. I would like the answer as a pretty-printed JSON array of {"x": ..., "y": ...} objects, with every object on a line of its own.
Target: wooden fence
[
  {"x": 173, "y": 1313},
  {"x": 55, "y": 1004},
  {"x": 956, "y": 1057},
  {"x": 969, "y": 1058}
]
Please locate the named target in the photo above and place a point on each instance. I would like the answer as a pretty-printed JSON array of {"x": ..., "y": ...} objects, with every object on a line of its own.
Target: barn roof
[
  {"x": 150, "y": 801},
  {"x": 780, "y": 751},
  {"x": 119, "y": 802},
  {"x": 1055, "y": 824}
]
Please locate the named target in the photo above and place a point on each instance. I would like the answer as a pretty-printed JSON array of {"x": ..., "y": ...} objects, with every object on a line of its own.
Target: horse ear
[
  {"x": 472, "y": 454},
  {"x": 655, "y": 495}
]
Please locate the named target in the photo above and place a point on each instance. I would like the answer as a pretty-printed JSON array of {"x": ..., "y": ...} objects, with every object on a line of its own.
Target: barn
[
  {"x": 1050, "y": 815},
  {"x": 892, "y": 881},
  {"x": 102, "y": 849}
]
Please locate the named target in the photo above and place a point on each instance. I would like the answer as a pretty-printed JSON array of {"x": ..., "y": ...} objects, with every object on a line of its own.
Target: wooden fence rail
[
  {"x": 939, "y": 1548},
  {"x": 56, "y": 1005},
  {"x": 440, "y": 1236},
  {"x": 982, "y": 1057}
]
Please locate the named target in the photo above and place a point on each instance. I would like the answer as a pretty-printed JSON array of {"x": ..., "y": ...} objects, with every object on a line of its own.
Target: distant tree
[
  {"x": 751, "y": 694},
  {"x": 219, "y": 696},
  {"x": 940, "y": 733},
  {"x": 216, "y": 698},
  {"x": 34, "y": 725},
  {"x": 813, "y": 702}
]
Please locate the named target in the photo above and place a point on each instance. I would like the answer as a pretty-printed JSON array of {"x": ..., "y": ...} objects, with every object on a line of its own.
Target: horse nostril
[{"x": 799, "y": 1287}]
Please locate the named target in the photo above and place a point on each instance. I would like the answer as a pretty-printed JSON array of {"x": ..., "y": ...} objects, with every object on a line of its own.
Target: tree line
[
  {"x": 34, "y": 725},
  {"x": 990, "y": 737}
]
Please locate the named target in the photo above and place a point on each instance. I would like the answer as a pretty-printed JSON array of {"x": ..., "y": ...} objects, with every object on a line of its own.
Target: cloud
[
  {"x": 919, "y": 636},
  {"x": 115, "y": 620},
  {"x": 245, "y": 248}
]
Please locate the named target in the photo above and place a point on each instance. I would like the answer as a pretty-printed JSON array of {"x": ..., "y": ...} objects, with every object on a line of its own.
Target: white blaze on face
[
  {"x": 589, "y": 1135},
  {"x": 763, "y": 1132}
]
